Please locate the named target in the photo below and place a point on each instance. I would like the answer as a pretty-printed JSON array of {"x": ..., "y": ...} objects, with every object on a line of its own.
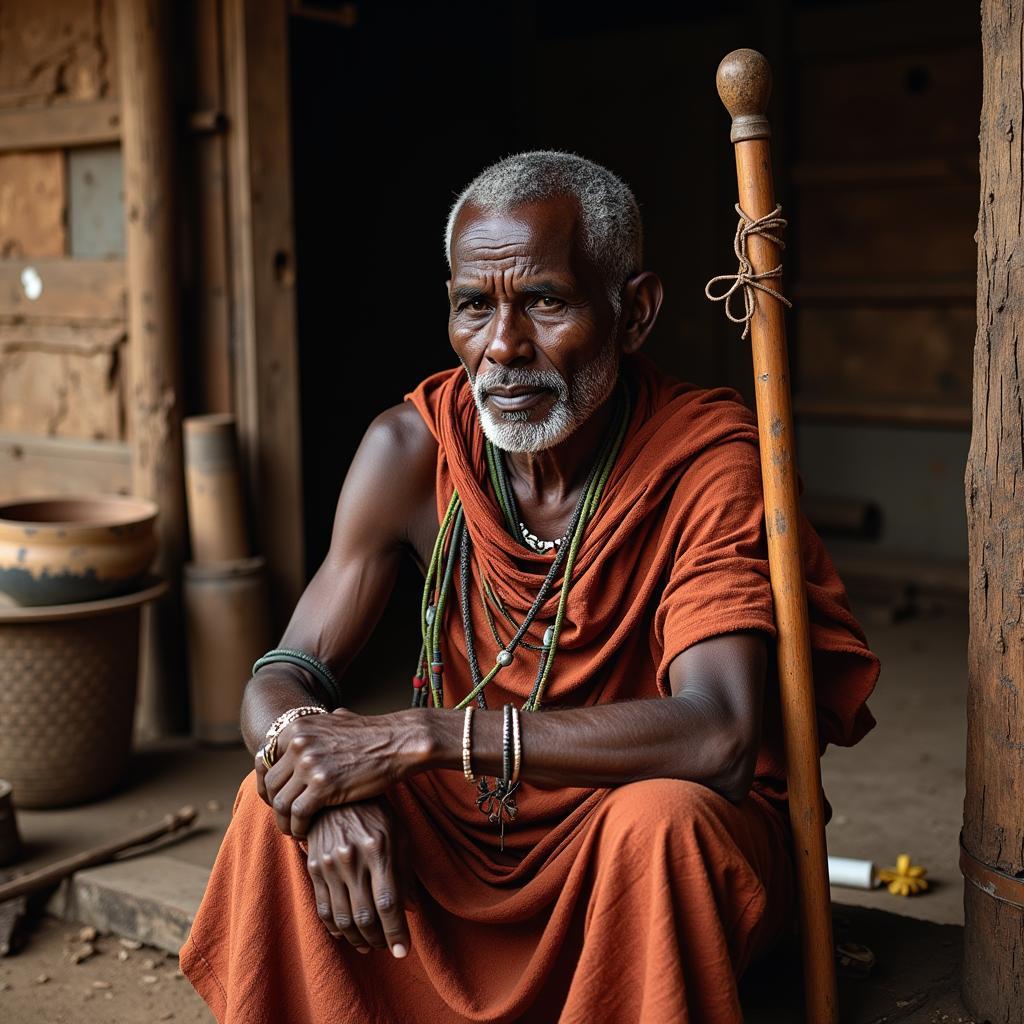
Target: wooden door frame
[{"x": 262, "y": 253}]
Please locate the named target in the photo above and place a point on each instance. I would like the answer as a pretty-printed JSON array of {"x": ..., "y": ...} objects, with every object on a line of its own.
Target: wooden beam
[
  {"x": 154, "y": 403},
  {"x": 993, "y": 833},
  {"x": 63, "y": 289},
  {"x": 263, "y": 261},
  {"x": 209, "y": 348},
  {"x": 60, "y": 126}
]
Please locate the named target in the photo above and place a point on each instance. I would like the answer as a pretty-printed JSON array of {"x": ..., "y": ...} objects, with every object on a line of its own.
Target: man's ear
[{"x": 641, "y": 300}]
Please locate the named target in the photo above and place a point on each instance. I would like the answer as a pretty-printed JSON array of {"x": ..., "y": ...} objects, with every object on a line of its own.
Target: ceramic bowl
[{"x": 70, "y": 549}]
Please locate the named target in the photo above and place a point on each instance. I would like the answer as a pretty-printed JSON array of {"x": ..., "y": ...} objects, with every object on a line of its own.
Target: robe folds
[{"x": 641, "y": 903}]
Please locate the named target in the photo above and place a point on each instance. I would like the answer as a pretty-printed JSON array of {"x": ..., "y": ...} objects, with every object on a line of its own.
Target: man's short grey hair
[{"x": 612, "y": 231}]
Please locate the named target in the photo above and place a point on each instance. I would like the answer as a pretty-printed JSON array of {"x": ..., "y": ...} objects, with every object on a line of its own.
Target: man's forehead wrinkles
[
  {"x": 489, "y": 242},
  {"x": 510, "y": 277}
]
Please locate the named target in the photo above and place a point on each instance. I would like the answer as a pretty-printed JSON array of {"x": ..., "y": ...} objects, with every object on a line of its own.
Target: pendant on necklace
[
  {"x": 534, "y": 543},
  {"x": 498, "y": 804}
]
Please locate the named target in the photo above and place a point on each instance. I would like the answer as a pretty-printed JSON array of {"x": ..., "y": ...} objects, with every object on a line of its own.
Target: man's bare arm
[
  {"x": 709, "y": 731},
  {"x": 390, "y": 480}
]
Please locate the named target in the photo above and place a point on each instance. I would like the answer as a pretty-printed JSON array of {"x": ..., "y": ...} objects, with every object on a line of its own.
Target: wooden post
[
  {"x": 154, "y": 393},
  {"x": 993, "y": 837},
  {"x": 264, "y": 343},
  {"x": 744, "y": 85}
]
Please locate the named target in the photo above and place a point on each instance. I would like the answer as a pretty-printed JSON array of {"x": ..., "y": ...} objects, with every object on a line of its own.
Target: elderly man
[{"x": 582, "y": 817}]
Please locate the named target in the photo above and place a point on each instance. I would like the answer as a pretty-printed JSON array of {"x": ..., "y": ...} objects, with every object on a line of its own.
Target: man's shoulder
[
  {"x": 671, "y": 403},
  {"x": 401, "y": 437}
]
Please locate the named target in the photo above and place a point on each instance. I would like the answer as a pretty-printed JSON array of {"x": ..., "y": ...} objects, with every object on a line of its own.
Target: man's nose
[{"x": 510, "y": 342}]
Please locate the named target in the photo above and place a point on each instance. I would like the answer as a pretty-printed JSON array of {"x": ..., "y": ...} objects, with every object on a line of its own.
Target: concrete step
[{"x": 151, "y": 898}]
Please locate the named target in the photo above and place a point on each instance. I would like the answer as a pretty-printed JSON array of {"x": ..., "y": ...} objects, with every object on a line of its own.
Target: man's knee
[{"x": 644, "y": 809}]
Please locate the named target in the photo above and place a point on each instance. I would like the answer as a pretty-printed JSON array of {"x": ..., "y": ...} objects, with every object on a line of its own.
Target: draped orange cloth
[{"x": 642, "y": 903}]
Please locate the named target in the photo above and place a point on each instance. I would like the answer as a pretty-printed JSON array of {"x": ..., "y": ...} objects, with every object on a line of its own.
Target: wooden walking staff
[{"x": 744, "y": 85}]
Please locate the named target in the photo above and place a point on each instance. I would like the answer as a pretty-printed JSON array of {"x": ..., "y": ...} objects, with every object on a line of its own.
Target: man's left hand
[{"x": 327, "y": 760}]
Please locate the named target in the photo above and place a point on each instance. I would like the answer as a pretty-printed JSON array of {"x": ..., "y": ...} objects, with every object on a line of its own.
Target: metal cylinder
[
  {"x": 228, "y": 627},
  {"x": 215, "y": 495}
]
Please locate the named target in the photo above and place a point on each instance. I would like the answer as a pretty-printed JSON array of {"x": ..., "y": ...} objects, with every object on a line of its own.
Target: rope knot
[{"x": 745, "y": 280}]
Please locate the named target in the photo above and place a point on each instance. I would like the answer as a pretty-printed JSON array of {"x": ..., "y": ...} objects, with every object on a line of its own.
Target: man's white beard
[{"x": 575, "y": 402}]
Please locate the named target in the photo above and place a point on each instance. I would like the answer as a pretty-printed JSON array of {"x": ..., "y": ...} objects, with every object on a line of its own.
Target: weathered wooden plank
[
  {"x": 209, "y": 345},
  {"x": 917, "y": 230},
  {"x": 951, "y": 290},
  {"x": 63, "y": 289},
  {"x": 916, "y": 102},
  {"x": 993, "y": 983},
  {"x": 895, "y": 357},
  {"x": 155, "y": 387},
  {"x": 62, "y": 380},
  {"x": 61, "y": 126},
  {"x": 33, "y": 201},
  {"x": 57, "y": 51},
  {"x": 59, "y": 394},
  {"x": 36, "y": 466},
  {"x": 262, "y": 249},
  {"x": 907, "y": 414},
  {"x": 839, "y": 30},
  {"x": 77, "y": 339},
  {"x": 843, "y": 173}
]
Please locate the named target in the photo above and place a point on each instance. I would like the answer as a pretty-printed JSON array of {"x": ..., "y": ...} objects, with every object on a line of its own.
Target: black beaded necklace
[{"x": 453, "y": 544}]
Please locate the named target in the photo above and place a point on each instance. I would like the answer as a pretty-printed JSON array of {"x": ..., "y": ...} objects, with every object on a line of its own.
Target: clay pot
[
  {"x": 71, "y": 549},
  {"x": 68, "y": 675},
  {"x": 227, "y": 626}
]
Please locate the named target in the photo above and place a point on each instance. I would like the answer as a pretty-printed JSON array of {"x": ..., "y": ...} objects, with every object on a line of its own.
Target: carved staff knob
[{"x": 744, "y": 83}]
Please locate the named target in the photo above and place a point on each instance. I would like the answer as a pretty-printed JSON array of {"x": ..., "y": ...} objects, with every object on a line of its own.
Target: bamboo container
[
  {"x": 228, "y": 627},
  {"x": 214, "y": 492}
]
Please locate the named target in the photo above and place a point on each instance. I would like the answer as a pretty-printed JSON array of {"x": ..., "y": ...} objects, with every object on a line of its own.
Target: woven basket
[{"x": 67, "y": 697}]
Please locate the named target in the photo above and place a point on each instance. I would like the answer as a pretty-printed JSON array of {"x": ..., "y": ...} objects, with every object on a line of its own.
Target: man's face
[{"x": 531, "y": 321}]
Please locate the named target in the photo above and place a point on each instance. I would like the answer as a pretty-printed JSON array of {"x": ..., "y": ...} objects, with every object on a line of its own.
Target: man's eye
[
  {"x": 476, "y": 305},
  {"x": 549, "y": 301}
]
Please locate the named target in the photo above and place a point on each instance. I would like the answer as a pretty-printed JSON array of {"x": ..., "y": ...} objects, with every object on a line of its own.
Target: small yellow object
[{"x": 905, "y": 879}]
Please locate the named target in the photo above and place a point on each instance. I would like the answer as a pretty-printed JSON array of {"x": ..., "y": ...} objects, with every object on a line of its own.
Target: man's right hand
[{"x": 357, "y": 877}]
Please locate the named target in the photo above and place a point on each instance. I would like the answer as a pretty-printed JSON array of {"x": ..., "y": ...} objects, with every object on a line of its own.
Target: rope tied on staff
[{"x": 745, "y": 279}]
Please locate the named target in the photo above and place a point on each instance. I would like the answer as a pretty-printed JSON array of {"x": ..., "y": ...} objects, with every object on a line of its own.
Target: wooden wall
[
  {"x": 884, "y": 203},
  {"x": 63, "y": 340},
  {"x": 105, "y": 346}
]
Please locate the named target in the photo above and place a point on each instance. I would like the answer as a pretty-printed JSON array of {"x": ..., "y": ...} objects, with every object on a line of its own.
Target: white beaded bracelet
[
  {"x": 467, "y": 748},
  {"x": 278, "y": 726}
]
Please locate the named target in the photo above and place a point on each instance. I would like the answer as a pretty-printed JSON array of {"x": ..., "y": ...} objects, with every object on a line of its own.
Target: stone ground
[{"x": 901, "y": 790}]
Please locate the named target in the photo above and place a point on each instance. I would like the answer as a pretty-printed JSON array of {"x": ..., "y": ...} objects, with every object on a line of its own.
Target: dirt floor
[
  {"x": 901, "y": 790},
  {"x": 119, "y": 982}
]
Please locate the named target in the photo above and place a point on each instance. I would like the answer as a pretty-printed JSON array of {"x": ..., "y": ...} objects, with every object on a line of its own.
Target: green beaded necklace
[{"x": 453, "y": 545}]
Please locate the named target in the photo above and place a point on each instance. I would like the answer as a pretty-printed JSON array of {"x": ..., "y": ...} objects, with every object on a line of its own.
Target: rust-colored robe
[{"x": 637, "y": 904}]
